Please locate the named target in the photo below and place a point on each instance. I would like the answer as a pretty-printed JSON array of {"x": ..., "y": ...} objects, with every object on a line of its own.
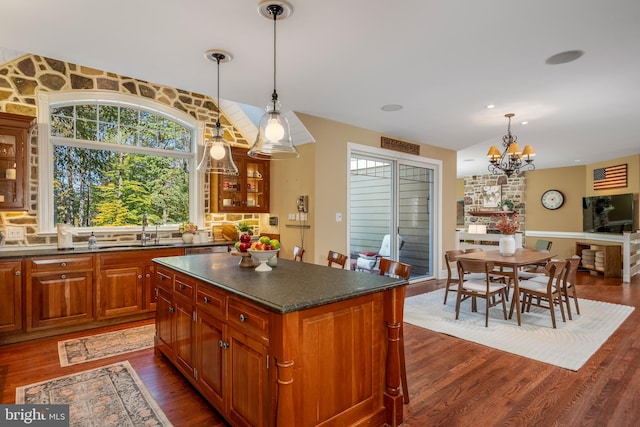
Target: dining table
[{"x": 508, "y": 266}]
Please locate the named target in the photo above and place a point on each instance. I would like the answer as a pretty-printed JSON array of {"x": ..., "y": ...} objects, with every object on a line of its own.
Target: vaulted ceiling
[{"x": 443, "y": 61}]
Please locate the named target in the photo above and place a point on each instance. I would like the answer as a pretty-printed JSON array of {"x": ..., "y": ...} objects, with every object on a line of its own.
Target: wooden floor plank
[{"x": 452, "y": 382}]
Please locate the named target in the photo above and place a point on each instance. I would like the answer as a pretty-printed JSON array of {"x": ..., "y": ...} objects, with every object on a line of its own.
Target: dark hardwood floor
[{"x": 451, "y": 382}]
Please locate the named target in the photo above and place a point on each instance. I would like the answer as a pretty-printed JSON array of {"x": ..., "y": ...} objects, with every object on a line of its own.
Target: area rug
[
  {"x": 93, "y": 347},
  {"x": 112, "y": 395},
  {"x": 569, "y": 346}
]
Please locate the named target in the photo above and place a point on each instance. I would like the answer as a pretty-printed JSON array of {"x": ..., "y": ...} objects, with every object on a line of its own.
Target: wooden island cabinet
[
  {"x": 11, "y": 291},
  {"x": 302, "y": 345}
]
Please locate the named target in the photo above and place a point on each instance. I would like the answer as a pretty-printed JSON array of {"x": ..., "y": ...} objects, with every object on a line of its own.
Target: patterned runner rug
[
  {"x": 112, "y": 395},
  {"x": 569, "y": 346},
  {"x": 86, "y": 349}
]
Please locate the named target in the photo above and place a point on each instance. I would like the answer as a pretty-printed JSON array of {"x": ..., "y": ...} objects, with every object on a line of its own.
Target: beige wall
[{"x": 321, "y": 172}]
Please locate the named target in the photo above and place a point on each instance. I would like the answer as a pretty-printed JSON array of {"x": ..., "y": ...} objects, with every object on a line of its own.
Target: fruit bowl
[{"x": 263, "y": 257}]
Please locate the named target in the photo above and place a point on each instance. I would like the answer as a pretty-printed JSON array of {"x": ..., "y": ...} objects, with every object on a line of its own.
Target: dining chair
[
  {"x": 547, "y": 290},
  {"x": 480, "y": 288},
  {"x": 450, "y": 259},
  {"x": 567, "y": 285},
  {"x": 336, "y": 258},
  {"x": 400, "y": 269},
  {"x": 298, "y": 252}
]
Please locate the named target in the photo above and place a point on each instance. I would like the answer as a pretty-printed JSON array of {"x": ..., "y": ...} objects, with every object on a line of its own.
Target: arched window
[{"x": 109, "y": 159}]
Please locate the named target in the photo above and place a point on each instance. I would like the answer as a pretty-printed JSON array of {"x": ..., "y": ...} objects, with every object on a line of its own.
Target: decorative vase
[
  {"x": 507, "y": 245},
  {"x": 187, "y": 237}
]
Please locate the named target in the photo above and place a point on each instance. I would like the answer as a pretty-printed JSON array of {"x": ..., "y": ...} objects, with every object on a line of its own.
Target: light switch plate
[{"x": 14, "y": 233}]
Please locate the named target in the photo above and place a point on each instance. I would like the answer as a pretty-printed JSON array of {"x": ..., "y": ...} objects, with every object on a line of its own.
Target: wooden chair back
[
  {"x": 298, "y": 252},
  {"x": 472, "y": 250},
  {"x": 474, "y": 266},
  {"x": 336, "y": 258},
  {"x": 395, "y": 268}
]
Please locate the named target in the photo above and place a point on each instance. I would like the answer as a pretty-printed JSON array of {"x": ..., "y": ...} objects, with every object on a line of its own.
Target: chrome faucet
[{"x": 144, "y": 238}]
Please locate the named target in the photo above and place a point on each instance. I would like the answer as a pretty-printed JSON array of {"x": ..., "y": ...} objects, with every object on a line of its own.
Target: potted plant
[
  {"x": 188, "y": 230},
  {"x": 507, "y": 205}
]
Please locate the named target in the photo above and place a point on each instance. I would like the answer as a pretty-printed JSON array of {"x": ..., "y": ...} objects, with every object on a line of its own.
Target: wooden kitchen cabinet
[
  {"x": 14, "y": 131},
  {"x": 226, "y": 359},
  {"x": 246, "y": 192},
  {"x": 11, "y": 291},
  {"x": 125, "y": 283},
  {"x": 59, "y": 291}
]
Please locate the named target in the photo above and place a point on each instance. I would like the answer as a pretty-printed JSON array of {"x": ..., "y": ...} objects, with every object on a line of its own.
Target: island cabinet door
[
  {"x": 11, "y": 291},
  {"x": 210, "y": 348},
  {"x": 120, "y": 291},
  {"x": 164, "y": 321},
  {"x": 248, "y": 386},
  {"x": 184, "y": 343}
]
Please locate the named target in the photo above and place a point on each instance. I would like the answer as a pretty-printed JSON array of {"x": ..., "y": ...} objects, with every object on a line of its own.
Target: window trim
[{"x": 45, "y": 152}]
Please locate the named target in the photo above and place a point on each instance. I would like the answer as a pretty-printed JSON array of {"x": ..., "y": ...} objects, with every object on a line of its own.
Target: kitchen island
[{"x": 301, "y": 345}]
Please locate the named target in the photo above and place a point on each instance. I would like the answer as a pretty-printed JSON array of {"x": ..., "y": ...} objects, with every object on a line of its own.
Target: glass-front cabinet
[
  {"x": 13, "y": 160},
  {"x": 246, "y": 192}
]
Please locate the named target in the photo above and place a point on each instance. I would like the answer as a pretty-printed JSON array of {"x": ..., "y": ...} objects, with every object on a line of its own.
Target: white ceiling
[{"x": 443, "y": 60}]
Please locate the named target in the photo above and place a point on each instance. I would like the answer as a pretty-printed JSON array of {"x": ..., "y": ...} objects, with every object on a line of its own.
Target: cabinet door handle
[
  {"x": 172, "y": 309},
  {"x": 139, "y": 276},
  {"x": 243, "y": 317},
  {"x": 223, "y": 344},
  {"x": 162, "y": 278},
  {"x": 147, "y": 275},
  {"x": 18, "y": 273},
  {"x": 63, "y": 264},
  {"x": 206, "y": 300},
  {"x": 63, "y": 276},
  {"x": 181, "y": 286}
]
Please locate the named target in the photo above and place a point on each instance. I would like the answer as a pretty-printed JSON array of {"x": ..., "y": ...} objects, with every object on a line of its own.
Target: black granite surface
[
  {"x": 36, "y": 251},
  {"x": 289, "y": 286}
]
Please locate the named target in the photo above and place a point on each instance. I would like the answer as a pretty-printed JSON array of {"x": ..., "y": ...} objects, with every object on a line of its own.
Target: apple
[
  {"x": 237, "y": 246},
  {"x": 275, "y": 243},
  {"x": 268, "y": 247},
  {"x": 259, "y": 246},
  {"x": 245, "y": 238},
  {"x": 244, "y": 246},
  {"x": 265, "y": 240}
]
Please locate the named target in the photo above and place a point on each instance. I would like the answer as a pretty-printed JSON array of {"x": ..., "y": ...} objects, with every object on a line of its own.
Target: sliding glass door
[{"x": 390, "y": 211}]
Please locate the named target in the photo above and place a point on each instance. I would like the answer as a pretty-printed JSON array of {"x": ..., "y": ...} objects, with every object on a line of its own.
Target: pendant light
[
  {"x": 274, "y": 134},
  {"x": 216, "y": 157}
]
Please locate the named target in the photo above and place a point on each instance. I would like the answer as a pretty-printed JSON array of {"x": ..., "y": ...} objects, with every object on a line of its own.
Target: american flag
[{"x": 610, "y": 177}]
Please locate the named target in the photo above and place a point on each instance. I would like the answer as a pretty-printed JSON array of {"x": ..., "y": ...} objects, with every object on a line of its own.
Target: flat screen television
[{"x": 609, "y": 214}]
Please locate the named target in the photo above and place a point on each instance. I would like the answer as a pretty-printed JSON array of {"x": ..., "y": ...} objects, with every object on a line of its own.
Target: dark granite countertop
[
  {"x": 290, "y": 286},
  {"x": 105, "y": 247}
]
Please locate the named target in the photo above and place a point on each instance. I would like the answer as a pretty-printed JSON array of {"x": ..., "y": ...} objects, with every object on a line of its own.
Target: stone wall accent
[
  {"x": 22, "y": 78},
  {"x": 512, "y": 188}
]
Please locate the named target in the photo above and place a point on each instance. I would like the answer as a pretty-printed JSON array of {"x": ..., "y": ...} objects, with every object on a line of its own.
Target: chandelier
[{"x": 511, "y": 160}]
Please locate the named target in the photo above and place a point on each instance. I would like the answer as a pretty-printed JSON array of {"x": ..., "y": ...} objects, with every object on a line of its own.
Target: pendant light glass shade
[
  {"x": 274, "y": 137},
  {"x": 274, "y": 134},
  {"x": 216, "y": 156}
]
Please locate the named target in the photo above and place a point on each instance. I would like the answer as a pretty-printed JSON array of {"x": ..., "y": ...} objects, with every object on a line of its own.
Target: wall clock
[{"x": 552, "y": 199}]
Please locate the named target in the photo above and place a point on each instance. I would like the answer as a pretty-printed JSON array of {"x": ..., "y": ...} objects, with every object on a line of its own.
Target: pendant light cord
[
  {"x": 218, "y": 58},
  {"x": 275, "y": 11}
]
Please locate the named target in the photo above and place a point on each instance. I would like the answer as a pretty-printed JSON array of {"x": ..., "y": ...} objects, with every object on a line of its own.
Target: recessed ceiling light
[
  {"x": 564, "y": 57},
  {"x": 491, "y": 106},
  {"x": 525, "y": 123},
  {"x": 392, "y": 107}
]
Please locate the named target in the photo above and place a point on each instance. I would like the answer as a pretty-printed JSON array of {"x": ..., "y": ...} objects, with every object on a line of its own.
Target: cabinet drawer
[
  {"x": 248, "y": 318},
  {"x": 62, "y": 263},
  {"x": 211, "y": 301},
  {"x": 164, "y": 278},
  {"x": 184, "y": 286}
]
